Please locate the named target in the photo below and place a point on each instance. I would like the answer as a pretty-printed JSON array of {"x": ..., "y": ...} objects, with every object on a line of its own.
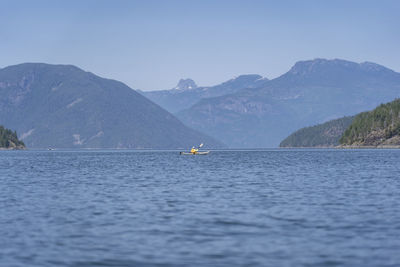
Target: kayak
[{"x": 197, "y": 153}]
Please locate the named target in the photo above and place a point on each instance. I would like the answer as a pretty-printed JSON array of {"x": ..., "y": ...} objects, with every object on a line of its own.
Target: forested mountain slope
[
  {"x": 326, "y": 134},
  {"x": 379, "y": 127}
]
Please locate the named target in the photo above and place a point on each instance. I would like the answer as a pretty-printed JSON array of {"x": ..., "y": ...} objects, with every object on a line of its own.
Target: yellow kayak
[{"x": 195, "y": 153}]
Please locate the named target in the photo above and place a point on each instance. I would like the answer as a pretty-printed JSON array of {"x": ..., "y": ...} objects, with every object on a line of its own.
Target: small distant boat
[{"x": 195, "y": 151}]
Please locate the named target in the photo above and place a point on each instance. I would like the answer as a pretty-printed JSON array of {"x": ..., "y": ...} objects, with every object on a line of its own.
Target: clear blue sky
[{"x": 149, "y": 44}]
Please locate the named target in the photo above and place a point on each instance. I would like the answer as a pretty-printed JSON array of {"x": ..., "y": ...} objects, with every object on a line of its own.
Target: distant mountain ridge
[
  {"x": 311, "y": 92},
  {"x": 335, "y": 72},
  {"x": 62, "y": 106},
  {"x": 187, "y": 93}
]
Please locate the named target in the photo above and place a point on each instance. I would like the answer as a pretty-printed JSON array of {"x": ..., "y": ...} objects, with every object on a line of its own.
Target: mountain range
[
  {"x": 66, "y": 107},
  {"x": 62, "y": 106},
  {"x": 264, "y": 112}
]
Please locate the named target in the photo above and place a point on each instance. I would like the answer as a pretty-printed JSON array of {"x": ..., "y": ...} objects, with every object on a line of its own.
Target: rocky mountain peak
[{"x": 186, "y": 84}]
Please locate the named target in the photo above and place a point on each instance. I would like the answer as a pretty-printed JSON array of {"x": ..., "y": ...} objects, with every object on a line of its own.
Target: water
[{"x": 232, "y": 208}]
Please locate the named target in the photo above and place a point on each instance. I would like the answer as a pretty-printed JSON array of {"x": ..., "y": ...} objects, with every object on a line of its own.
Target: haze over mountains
[
  {"x": 311, "y": 92},
  {"x": 63, "y": 106}
]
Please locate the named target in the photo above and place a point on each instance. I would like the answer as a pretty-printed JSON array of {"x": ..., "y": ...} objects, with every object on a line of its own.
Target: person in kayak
[{"x": 194, "y": 150}]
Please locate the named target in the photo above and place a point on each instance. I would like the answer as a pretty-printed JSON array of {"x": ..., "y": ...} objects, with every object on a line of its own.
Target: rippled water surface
[{"x": 229, "y": 208}]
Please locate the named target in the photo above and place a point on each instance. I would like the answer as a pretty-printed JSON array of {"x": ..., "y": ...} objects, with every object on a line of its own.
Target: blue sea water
[{"x": 229, "y": 208}]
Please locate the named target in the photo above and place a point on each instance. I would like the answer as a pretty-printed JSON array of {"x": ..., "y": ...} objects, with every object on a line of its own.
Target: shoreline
[
  {"x": 370, "y": 147},
  {"x": 344, "y": 147},
  {"x": 12, "y": 148}
]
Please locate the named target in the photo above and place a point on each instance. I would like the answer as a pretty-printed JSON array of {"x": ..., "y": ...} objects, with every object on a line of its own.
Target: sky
[{"x": 150, "y": 45}]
